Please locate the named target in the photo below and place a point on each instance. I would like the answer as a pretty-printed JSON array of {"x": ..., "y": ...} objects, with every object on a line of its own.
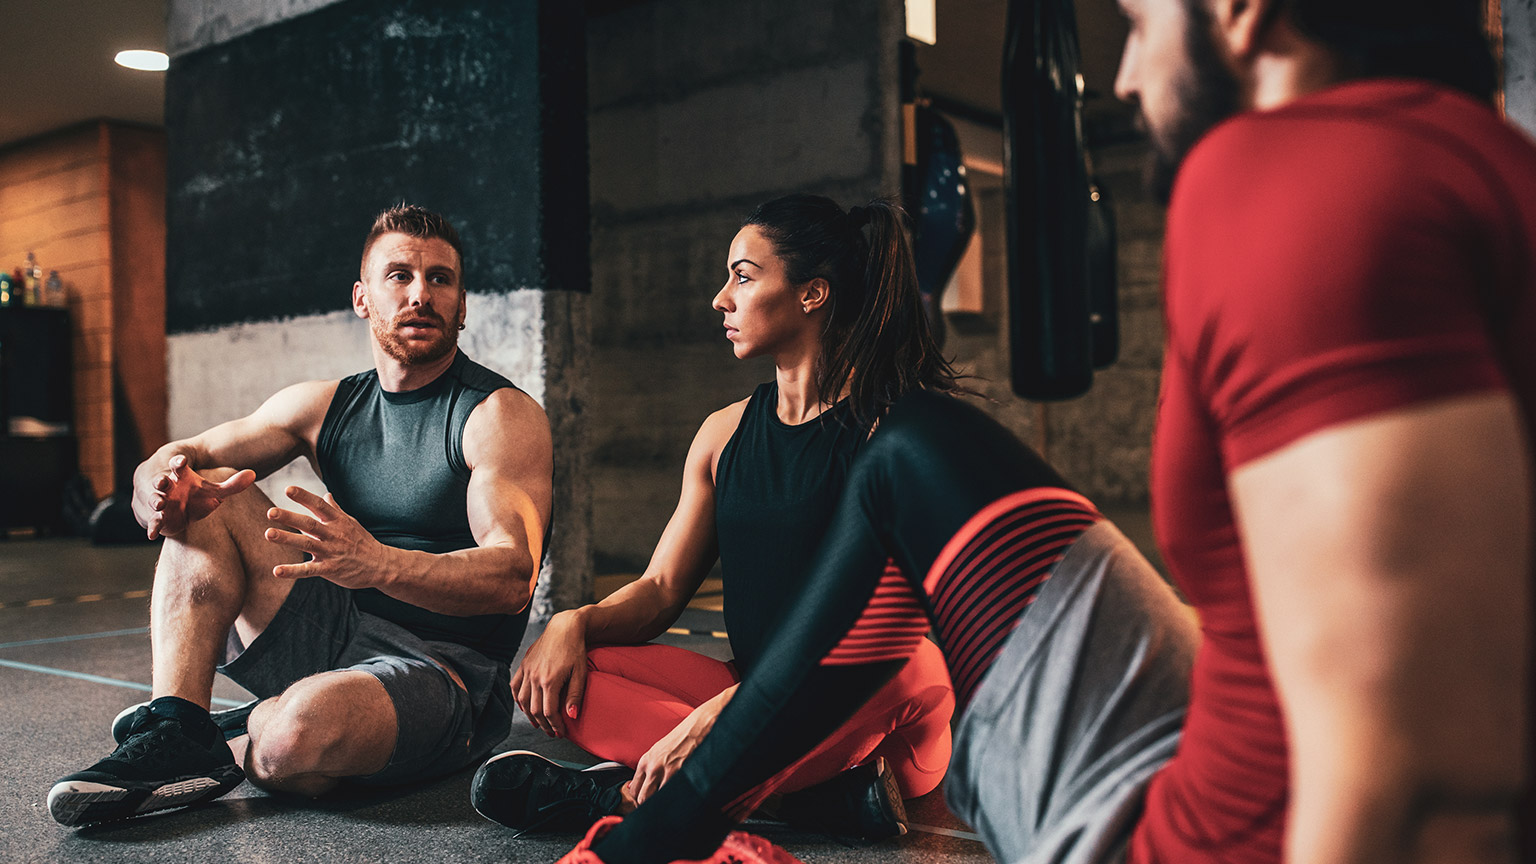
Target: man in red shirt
[{"x": 1341, "y": 480}]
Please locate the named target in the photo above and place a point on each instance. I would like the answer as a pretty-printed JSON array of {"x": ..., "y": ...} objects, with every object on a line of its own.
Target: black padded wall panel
[{"x": 285, "y": 141}]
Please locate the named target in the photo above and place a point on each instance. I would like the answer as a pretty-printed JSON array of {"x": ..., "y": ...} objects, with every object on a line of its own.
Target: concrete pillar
[
  {"x": 292, "y": 122},
  {"x": 1519, "y": 19},
  {"x": 701, "y": 110}
]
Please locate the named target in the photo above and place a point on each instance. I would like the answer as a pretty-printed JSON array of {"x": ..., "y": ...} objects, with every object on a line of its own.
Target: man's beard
[
  {"x": 413, "y": 352},
  {"x": 1209, "y": 94}
]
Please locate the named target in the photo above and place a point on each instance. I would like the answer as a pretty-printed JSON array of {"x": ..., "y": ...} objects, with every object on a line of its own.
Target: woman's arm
[{"x": 550, "y": 682}]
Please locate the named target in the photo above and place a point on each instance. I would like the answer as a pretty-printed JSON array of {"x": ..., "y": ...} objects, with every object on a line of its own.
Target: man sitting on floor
[{"x": 375, "y": 629}]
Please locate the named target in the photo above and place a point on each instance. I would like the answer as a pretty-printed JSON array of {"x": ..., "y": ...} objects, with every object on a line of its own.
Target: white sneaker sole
[
  {"x": 601, "y": 766},
  {"x": 76, "y": 802}
]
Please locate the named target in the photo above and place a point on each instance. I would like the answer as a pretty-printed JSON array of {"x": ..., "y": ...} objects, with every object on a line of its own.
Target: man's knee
[
  {"x": 320, "y": 728},
  {"x": 293, "y": 741}
]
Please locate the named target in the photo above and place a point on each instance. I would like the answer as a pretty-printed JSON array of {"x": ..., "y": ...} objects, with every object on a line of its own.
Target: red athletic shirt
[{"x": 1353, "y": 252}]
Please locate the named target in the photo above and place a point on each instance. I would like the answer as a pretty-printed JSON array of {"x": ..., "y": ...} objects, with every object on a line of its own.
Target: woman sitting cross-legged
[{"x": 832, "y": 297}]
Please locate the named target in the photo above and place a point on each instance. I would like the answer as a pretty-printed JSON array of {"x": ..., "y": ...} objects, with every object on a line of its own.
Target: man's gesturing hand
[
  {"x": 342, "y": 551},
  {"x": 167, "y": 501}
]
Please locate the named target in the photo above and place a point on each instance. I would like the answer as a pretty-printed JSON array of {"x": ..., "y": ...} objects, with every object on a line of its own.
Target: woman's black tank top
[{"x": 775, "y": 489}]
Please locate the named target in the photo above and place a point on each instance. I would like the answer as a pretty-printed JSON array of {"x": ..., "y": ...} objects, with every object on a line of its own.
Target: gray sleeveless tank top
[{"x": 395, "y": 462}]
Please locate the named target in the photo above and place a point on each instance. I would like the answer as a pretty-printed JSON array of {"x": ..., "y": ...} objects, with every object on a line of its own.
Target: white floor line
[
  {"x": 100, "y": 679},
  {"x": 947, "y": 832},
  {"x": 134, "y": 631}
]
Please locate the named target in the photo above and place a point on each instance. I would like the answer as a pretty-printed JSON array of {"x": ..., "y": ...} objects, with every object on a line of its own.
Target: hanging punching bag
[
  {"x": 1048, "y": 198},
  {"x": 1103, "y": 261},
  {"x": 943, "y": 214}
]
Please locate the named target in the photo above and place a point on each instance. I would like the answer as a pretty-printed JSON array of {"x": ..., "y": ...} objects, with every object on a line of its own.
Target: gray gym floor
[{"x": 74, "y": 651}]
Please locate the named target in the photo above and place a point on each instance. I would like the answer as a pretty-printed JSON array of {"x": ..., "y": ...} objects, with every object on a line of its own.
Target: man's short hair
[
  {"x": 1439, "y": 40},
  {"x": 414, "y": 221}
]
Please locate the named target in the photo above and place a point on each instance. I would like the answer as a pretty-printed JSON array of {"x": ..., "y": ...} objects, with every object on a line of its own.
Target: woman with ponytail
[{"x": 832, "y": 297}]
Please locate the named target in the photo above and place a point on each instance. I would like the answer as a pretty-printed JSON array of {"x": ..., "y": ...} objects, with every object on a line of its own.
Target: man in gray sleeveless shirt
[{"x": 374, "y": 624}]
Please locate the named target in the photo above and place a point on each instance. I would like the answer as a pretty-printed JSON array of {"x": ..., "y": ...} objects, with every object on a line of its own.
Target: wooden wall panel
[
  {"x": 53, "y": 201},
  {"x": 86, "y": 246},
  {"x": 136, "y": 178},
  {"x": 64, "y": 217},
  {"x": 25, "y": 192},
  {"x": 90, "y": 202}
]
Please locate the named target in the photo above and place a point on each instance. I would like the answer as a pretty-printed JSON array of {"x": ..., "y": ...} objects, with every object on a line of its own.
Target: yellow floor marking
[{"x": 83, "y": 598}]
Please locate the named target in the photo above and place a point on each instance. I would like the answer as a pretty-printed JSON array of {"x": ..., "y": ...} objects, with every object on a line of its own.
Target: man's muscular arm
[
  {"x": 510, "y": 456},
  {"x": 1390, "y": 560},
  {"x": 167, "y": 491}
]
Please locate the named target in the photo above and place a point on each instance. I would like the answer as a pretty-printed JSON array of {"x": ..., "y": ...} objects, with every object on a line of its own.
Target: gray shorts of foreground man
[
  {"x": 442, "y": 727},
  {"x": 1084, "y": 703}
]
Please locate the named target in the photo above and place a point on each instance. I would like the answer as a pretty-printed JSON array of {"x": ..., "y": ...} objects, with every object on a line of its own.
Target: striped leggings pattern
[{"x": 991, "y": 571}]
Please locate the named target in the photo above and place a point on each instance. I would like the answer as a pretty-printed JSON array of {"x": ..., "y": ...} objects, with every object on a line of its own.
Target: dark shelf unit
[{"x": 38, "y": 448}]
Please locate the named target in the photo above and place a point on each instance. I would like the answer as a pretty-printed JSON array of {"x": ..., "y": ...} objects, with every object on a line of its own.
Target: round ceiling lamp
[{"x": 148, "y": 61}]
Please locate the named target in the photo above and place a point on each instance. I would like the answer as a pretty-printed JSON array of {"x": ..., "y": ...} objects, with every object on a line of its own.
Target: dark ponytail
[{"x": 877, "y": 343}]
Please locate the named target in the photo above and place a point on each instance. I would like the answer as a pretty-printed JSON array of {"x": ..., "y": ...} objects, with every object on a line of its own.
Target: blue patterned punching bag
[{"x": 944, "y": 216}]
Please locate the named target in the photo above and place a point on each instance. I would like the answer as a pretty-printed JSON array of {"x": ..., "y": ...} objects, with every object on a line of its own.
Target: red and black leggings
[{"x": 973, "y": 519}]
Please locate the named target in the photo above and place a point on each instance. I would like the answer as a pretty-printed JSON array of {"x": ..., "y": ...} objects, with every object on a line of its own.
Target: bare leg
[
  {"x": 216, "y": 575},
  {"x": 325, "y": 727}
]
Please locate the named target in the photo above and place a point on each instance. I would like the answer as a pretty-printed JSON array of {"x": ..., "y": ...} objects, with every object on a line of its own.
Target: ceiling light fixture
[
  {"x": 922, "y": 21},
  {"x": 148, "y": 61}
]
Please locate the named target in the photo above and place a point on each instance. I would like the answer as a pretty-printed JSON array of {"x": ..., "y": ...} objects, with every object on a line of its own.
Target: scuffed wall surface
[
  {"x": 696, "y": 117},
  {"x": 194, "y": 24},
  {"x": 1520, "y": 63},
  {"x": 218, "y": 375}
]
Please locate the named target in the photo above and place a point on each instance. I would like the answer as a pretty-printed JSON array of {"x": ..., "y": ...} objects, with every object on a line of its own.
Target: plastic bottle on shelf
[
  {"x": 33, "y": 275},
  {"x": 53, "y": 290}
]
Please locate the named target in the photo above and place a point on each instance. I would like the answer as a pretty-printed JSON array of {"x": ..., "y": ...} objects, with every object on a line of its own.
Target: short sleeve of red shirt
[{"x": 1322, "y": 269}]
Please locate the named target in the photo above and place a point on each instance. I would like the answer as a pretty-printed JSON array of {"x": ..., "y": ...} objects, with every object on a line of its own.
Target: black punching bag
[
  {"x": 1048, "y": 199},
  {"x": 1103, "y": 258}
]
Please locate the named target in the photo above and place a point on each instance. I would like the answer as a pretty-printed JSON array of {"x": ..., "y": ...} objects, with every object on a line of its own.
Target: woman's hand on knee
[
  {"x": 666, "y": 756},
  {"x": 550, "y": 682}
]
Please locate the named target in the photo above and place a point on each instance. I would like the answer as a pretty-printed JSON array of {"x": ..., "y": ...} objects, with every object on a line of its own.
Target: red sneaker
[{"x": 739, "y": 848}]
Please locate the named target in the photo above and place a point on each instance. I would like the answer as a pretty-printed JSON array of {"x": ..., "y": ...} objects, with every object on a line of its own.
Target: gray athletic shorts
[
  {"x": 442, "y": 727},
  {"x": 1082, "y": 706}
]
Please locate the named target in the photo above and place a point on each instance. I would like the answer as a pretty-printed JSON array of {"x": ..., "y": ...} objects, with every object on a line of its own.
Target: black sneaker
[
  {"x": 526, "y": 791},
  {"x": 231, "y": 721},
  {"x": 863, "y": 802},
  {"x": 159, "y": 765}
]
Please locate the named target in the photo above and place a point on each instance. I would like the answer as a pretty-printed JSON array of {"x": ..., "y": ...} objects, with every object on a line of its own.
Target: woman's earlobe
[{"x": 816, "y": 293}]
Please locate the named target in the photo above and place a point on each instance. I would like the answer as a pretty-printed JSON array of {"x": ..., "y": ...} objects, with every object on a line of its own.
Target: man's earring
[{"x": 461, "y": 326}]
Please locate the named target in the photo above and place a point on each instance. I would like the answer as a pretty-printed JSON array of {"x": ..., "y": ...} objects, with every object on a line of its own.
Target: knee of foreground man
[{"x": 290, "y": 745}]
